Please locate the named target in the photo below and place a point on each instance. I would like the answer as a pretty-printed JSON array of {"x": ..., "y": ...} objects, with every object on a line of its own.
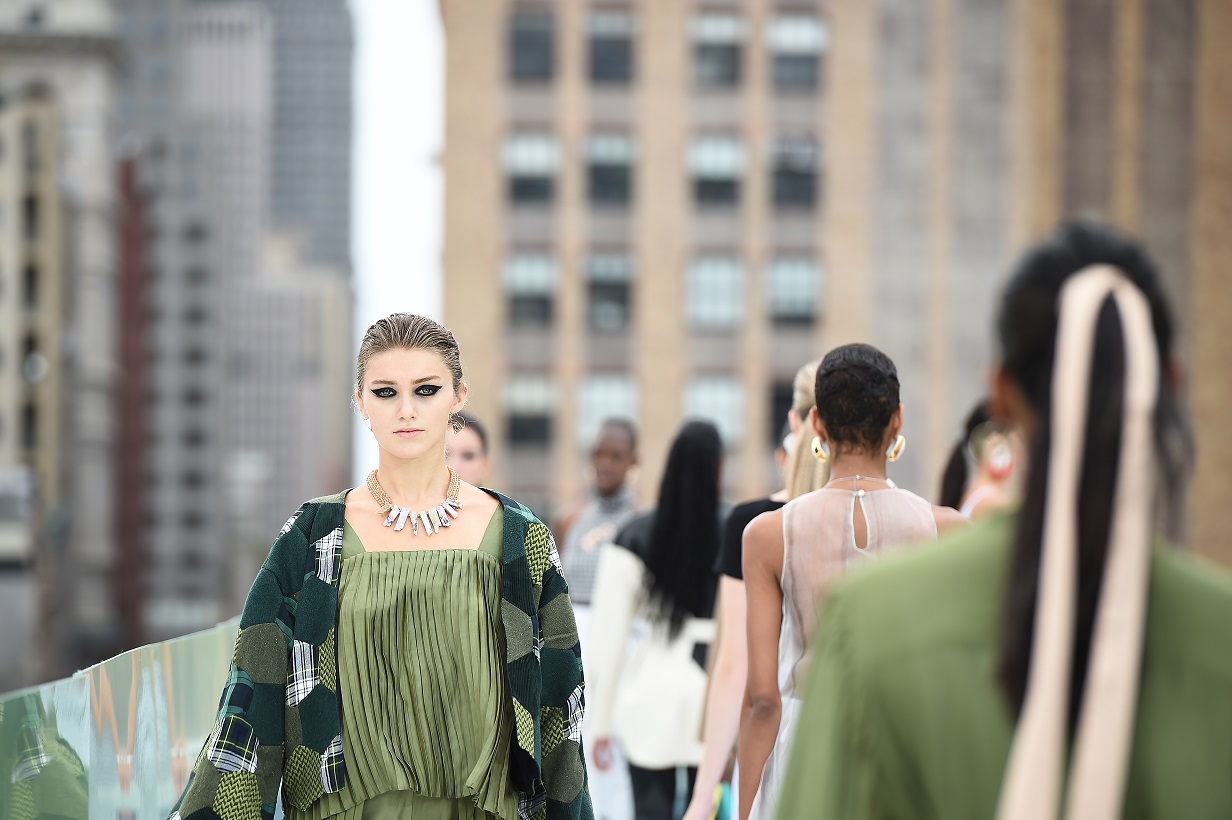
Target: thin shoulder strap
[{"x": 1031, "y": 787}]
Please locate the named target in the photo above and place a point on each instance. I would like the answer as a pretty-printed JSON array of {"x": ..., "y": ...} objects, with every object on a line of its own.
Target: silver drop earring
[{"x": 368, "y": 422}]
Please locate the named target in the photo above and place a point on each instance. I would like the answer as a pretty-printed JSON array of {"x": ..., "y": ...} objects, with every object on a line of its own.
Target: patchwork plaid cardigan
[{"x": 279, "y": 719}]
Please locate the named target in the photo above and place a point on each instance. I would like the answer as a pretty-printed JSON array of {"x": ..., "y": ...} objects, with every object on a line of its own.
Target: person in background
[
  {"x": 802, "y": 473},
  {"x": 1059, "y": 660},
  {"x": 661, "y": 565},
  {"x": 611, "y": 505},
  {"x": 791, "y": 556},
  {"x": 992, "y": 450},
  {"x": 466, "y": 451}
]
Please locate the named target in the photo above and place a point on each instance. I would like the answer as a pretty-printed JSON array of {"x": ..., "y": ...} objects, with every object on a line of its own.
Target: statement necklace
[{"x": 432, "y": 519}]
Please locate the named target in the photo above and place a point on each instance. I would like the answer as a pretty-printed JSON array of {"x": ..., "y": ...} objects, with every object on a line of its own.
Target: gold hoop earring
[
  {"x": 456, "y": 422},
  {"x": 820, "y": 451},
  {"x": 896, "y": 452}
]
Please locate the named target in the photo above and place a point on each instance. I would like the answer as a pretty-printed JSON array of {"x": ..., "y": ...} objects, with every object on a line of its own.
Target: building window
[
  {"x": 195, "y": 397},
  {"x": 601, "y": 398},
  {"x": 196, "y": 316},
  {"x": 529, "y": 401},
  {"x": 194, "y": 437},
  {"x": 29, "y": 426},
  {"x": 196, "y": 276},
  {"x": 792, "y": 287},
  {"x": 796, "y": 45},
  {"x": 195, "y": 356},
  {"x": 782, "y": 396},
  {"x": 610, "y": 172},
  {"x": 532, "y": 55},
  {"x": 611, "y": 49},
  {"x": 719, "y": 400},
  {"x": 717, "y": 41},
  {"x": 717, "y": 164},
  {"x": 609, "y": 280},
  {"x": 530, "y": 282},
  {"x": 795, "y": 174},
  {"x": 30, "y": 146},
  {"x": 193, "y": 480},
  {"x": 30, "y": 289},
  {"x": 530, "y": 162},
  {"x": 195, "y": 233},
  {"x": 30, "y": 216},
  {"x": 716, "y": 293}
]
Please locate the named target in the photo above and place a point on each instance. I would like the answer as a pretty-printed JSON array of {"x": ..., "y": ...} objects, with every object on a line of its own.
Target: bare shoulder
[
  {"x": 763, "y": 543},
  {"x": 949, "y": 518},
  {"x": 475, "y": 498}
]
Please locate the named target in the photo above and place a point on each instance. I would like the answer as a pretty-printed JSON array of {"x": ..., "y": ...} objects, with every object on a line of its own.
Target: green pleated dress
[{"x": 426, "y": 722}]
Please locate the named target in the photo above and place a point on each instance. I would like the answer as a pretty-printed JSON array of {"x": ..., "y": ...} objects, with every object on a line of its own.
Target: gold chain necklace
[{"x": 433, "y": 519}]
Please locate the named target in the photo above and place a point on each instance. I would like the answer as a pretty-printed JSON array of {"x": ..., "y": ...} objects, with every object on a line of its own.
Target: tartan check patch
[
  {"x": 537, "y": 640},
  {"x": 32, "y": 757},
  {"x": 286, "y": 528},
  {"x": 233, "y": 746},
  {"x": 304, "y": 675},
  {"x": 333, "y": 769},
  {"x": 554, "y": 555},
  {"x": 236, "y": 695},
  {"x": 532, "y": 807},
  {"x": 575, "y": 711},
  {"x": 328, "y": 548}
]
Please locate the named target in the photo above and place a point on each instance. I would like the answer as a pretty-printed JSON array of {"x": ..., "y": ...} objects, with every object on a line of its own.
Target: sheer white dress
[{"x": 819, "y": 545}]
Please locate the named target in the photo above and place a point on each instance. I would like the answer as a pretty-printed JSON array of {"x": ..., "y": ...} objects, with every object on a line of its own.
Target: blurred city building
[
  {"x": 654, "y": 209},
  {"x": 633, "y": 202},
  {"x": 175, "y": 300},
  {"x": 958, "y": 131},
  {"x": 58, "y": 210},
  {"x": 244, "y": 140}
]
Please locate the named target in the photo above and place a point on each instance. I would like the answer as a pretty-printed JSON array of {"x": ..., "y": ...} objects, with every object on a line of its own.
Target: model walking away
[
  {"x": 793, "y": 555},
  {"x": 1057, "y": 661}
]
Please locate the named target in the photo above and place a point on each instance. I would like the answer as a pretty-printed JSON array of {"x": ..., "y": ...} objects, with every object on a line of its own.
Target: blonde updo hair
[
  {"x": 409, "y": 331},
  {"x": 804, "y": 473}
]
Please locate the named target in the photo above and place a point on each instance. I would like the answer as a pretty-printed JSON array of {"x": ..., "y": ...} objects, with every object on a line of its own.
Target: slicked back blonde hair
[
  {"x": 409, "y": 331},
  {"x": 804, "y": 473}
]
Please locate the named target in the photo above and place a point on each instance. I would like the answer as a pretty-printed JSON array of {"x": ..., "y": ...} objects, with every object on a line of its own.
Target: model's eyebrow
[{"x": 395, "y": 384}]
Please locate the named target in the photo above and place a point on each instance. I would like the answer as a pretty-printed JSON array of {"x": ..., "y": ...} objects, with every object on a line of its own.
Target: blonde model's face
[{"x": 408, "y": 396}]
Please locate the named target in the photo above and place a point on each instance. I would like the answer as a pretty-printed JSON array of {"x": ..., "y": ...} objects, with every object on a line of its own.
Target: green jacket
[
  {"x": 279, "y": 716},
  {"x": 903, "y": 717}
]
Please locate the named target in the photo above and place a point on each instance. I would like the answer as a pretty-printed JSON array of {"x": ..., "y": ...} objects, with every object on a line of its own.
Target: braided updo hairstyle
[{"x": 857, "y": 396}]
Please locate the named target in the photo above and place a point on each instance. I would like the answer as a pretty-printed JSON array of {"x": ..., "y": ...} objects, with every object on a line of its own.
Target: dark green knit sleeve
[
  {"x": 239, "y": 769},
  {"x": 563, "y": 700}
]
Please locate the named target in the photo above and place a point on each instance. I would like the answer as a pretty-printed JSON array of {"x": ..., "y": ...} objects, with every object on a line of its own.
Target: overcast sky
[{"x": 399, "y": 112}]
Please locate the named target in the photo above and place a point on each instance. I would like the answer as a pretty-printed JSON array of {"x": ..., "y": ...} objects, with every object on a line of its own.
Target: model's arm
[
  {"x": 759, "y": 723},
  {"x": 724, "y": 699},
  {"x": 948, "y": 519}
]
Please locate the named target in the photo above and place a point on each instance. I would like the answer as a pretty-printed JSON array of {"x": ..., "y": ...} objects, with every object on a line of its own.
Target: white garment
[
  {"x": 978, "y": 495},
  {"x": 819, "y": 545},
  {"x": 611, "y": 793},
  {"x": 655, "y": 709}
]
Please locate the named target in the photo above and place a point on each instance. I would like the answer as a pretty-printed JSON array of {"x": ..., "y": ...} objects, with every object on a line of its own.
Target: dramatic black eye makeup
[
  {"x": 384, "y": 392},
  {"x": 427, "y": 389},
  {"x": 424, "y": 390}
]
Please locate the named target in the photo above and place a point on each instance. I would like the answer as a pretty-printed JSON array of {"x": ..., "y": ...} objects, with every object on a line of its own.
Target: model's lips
[{"x": 409, "y": 432}]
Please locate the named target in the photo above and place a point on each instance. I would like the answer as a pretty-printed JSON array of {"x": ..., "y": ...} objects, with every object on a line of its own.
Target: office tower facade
[
  {"x": 58, "y": 68},
  {"x": 312, "y": 122},
  {"x": 241, "y": 358},
  {"x": 632, "y": 212},
  {"x": 960, "y": 131}
]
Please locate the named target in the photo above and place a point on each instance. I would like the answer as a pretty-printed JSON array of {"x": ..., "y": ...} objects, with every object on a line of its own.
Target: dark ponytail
[
  {"x": 1027, "y": 327},
  {"x": 954, "y": 479}
]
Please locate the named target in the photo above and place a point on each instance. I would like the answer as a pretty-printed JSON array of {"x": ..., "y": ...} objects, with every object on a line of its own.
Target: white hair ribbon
[{"x": 1031, "y": 786}]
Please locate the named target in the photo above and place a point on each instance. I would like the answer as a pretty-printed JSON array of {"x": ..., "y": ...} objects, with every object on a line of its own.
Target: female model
[
  {"x": 1053, "y": 662},
  {"x": 408, "y": 648},
  {"x": 661, "y": 565},
  {"x": 802, "y": 474},
  {"x": 791, "y": 556}
]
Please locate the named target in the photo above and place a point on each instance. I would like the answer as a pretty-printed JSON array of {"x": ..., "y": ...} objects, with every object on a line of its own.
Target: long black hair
[
  {"x": 1027, "y": 326},
  {"x": 954, "y": 479},
  {"x": 685, "y": 538}
]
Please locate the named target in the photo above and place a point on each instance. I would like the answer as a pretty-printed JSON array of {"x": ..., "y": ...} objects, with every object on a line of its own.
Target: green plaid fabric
[{"x": 275, "y": 700}]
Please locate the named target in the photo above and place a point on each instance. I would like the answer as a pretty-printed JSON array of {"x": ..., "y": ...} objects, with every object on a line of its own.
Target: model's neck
[
  {"x": 414, "y": 482},
  {"x": 863, "y": 464}
]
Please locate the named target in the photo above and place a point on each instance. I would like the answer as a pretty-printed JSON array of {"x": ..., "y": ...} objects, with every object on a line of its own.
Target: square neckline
[{"x": 346, "y": 525}]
